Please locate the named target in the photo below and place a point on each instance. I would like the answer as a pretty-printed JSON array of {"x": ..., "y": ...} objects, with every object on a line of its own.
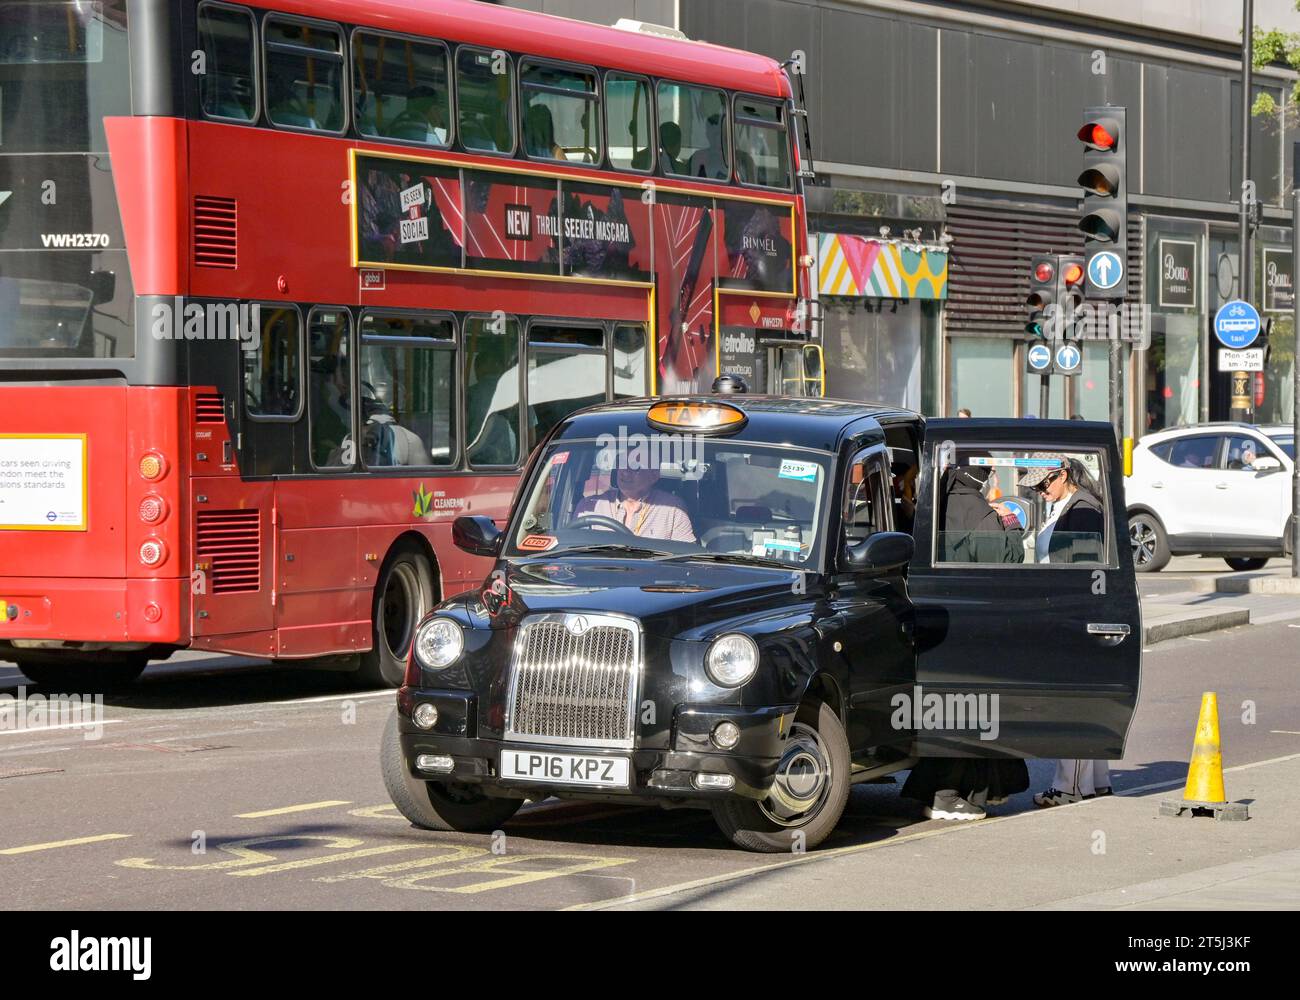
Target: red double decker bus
[{"x": 285, "y": 290}]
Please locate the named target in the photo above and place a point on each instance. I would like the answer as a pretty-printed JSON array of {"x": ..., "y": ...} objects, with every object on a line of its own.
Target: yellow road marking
[
  {"x": 305, "y": 807},
  {"x": 29, "y": 848},
  {"x": 456, "y": 853},
  {"x": 580, "y": 863},
  {"x": 243, "y": 852},
  {"x": 388, "y": 811},
  {"x": 326, "y": 859}
]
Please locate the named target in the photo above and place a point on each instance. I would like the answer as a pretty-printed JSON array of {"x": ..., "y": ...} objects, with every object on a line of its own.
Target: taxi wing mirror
[
  {"x": 477, "y": 535},
  {"x": 878, "y": 553}
]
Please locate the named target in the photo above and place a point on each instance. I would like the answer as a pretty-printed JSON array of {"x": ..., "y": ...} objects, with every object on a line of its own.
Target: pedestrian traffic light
[
  {"x": 1042, "y": 294},
  {"x": 1104, "y": 180}
]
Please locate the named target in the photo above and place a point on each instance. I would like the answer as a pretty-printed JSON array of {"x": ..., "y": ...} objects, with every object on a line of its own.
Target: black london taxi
[{"x": 748, "y": 604}]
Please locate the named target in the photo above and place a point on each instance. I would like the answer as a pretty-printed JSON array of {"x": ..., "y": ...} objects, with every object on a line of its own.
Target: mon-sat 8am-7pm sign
[{"x": 43, "y": 482}]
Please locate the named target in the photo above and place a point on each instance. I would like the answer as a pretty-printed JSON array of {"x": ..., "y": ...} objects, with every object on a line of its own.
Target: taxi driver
[{"x": 644, "y": 510}]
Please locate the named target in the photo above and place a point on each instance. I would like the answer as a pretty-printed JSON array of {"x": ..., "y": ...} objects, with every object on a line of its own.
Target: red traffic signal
[
  {"x": 1044, "y": 272},
  {"x": 1102, "y": 133},
  {"x": 1073, "y": 273}
]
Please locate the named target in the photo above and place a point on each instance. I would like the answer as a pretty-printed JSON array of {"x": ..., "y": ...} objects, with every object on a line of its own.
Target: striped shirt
[{"x": 659, "y": 515}]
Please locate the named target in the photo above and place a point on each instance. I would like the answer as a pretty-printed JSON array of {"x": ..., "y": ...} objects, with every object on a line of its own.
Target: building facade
[{"x": 945, "y": 150}]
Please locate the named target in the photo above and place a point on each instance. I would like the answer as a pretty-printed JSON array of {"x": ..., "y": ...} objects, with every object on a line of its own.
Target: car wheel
[
  {"x": 808, "y": 796},
  {"x": 84, "y": 675},
  {"x": 403, "y": 596},
  {"x": 1243, "y": 565},
  {"x": 438, "y": 805},
  {"x": 1150, "y": 545}
]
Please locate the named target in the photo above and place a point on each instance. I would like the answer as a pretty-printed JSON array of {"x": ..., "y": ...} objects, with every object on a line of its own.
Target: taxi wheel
[
  {"x": 1150, "y": 544},
  {"x": 1244, "y": 565},
  {"x": 808, "y": 796},
  {"x": 403, "y": 596},
  {"x": 438, "y": 805},
  {"x": 84, "y": 675}
]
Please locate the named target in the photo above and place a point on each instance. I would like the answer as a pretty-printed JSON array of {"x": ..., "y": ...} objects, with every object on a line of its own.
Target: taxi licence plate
[{"x": 564, "y": 768}]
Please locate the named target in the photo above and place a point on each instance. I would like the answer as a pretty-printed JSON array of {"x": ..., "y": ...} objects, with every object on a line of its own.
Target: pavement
[{"x": 1193, "y": 595}]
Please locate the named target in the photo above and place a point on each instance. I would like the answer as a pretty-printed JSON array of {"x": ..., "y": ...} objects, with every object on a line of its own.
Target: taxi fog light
[
  {"x": 425, "y": 715},
  {"x": 440, "y": 642},
  {"x": 731, "y": 660},
  {"x": 722, "y": 781},
  {"x": 435, "y": 762},
  {"x": 725, "y": 735}
]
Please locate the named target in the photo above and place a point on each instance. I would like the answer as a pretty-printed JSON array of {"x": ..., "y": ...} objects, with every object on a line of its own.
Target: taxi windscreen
[{"x": 676, "y": 495}]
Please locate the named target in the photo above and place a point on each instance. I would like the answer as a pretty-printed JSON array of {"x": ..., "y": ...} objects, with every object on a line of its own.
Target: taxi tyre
[
  {"x": 92, "y": 674},
  {"x": 744, "y": 821},
  {"x": 433, "y": 805},
  {"x": 406, "y": 580},
  {"x": 1146, "y": 526},
  {"x": 1244, "y": 565}
]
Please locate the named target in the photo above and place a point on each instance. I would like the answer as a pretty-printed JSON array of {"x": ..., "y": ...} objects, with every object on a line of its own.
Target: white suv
[{"x": 1219, "y": 489}]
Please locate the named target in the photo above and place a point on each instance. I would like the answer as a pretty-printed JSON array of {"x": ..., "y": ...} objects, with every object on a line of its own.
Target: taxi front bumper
[{"x": 654, "y": 773}]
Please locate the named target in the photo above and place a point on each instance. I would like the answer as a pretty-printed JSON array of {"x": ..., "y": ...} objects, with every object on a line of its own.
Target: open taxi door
[{"x": 1028, "y": 627}]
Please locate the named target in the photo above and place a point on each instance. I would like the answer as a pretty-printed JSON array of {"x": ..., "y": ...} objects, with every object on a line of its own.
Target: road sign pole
[
  {"x": 1295, "y": 386},
  {"x": 1044, "y": 394},
  {"x": 1116, "y": 379}
]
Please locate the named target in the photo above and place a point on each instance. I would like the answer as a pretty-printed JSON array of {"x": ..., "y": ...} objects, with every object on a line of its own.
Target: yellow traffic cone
[{"x": 1204, "y": 791}]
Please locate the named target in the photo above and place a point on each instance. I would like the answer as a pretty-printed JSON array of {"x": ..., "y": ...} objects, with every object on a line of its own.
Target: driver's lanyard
[{"x": 645, "y": 512}]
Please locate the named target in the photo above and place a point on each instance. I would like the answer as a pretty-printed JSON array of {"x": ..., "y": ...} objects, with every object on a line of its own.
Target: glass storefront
[
  {"x": 882, "y": 351},
  {"x": 1176, "y": 295},
  {"x": 977, "y": 376}
]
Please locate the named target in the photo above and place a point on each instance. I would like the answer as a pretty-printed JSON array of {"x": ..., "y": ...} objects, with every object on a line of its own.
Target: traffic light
[
  {"x": 1069, "y": 293},
  {"x": 1105, "y": 200},
  {"x": 1042, "y": 294}
]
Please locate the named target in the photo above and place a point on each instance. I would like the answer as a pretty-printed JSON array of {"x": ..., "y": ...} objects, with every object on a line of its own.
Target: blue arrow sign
[
  {"x": 1105, "y": 269},
  {"x": 1236, "y": 324},
  {"x": 1040, "y": 357},
  {"x": 1068, "y": 359}
]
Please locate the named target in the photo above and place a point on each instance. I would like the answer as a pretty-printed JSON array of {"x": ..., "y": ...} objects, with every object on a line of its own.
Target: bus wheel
[
  {"x": 403, "y": 596},
  {"x": 438, "y": 805},
  {"x": 809, "y": 793},
  {"x": 84, "y": 675}
]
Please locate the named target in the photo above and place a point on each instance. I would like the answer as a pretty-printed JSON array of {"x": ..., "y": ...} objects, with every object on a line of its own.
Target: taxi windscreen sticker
[
  {"x": 804, "y": 472},
  {"x": 538, "y": 543}
]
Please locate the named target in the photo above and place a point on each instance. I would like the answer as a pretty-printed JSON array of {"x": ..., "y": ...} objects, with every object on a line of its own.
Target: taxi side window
[
  {"x": 1017, "y": 507},
  {"x": 867, "y": 503}
]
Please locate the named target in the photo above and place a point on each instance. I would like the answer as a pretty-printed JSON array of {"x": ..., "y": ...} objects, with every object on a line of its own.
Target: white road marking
[{"x": 63, "y": 725}]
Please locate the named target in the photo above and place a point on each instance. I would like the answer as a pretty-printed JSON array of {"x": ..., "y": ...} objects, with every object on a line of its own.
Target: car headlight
[
  {"x": 732, "y": 659},
  {"x": 439, "y": 643}
]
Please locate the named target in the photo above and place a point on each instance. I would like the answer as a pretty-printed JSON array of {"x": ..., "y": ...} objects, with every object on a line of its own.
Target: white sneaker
[{"x": 957, "y": 809}]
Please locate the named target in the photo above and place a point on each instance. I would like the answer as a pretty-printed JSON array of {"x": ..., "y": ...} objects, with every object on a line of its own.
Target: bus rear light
[
  {"x": 152, "y": 552},
  {"x": 153, "y": 466},
  {"x": 152, "y": 613},
  {"x": 152, "y": 509}
]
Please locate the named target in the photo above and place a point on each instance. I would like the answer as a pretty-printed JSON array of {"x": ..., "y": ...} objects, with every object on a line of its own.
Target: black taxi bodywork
[{"x": 850, "y": 642}]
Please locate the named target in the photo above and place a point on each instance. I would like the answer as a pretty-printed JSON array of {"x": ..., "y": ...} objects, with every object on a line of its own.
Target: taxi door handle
[{"x": 1109, "y": 629}]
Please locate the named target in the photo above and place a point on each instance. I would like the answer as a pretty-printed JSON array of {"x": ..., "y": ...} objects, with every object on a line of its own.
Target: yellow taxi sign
[{"x": 701, "y": 418}]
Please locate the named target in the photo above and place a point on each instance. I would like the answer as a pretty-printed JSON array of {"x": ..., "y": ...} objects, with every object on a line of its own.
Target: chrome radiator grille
[{"x": 574, "y": 680}]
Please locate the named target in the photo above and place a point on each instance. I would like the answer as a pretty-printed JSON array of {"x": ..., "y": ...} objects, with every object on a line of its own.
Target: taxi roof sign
[{"x": 700, "y": 418}]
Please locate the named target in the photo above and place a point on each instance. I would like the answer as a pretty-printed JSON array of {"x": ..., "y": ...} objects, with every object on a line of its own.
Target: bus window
[
  {"x": 407, "y": 398},
  {"x": 628, "y": 358},
  {"x": 566, "y": 371},
  {"x": 272, "y": 369},
  {"x": 762, "y": 146},
  {"x": 330, "y": 388},
  {"x": 492, "y": 391},
  {"x": 628, "y": 122},
  {"x": 693, "y": 127},
  {"x": 304, "y": 75},
  {"x": 484, "y": 110},
  {"x": 400, "y": 89},
  {"x": 227, "y": 87},
  {"x": 561, "y": 114}
]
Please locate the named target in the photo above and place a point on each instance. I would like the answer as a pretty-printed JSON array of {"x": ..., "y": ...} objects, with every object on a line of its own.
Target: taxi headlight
[
  {"x": 439, "y": 643},
  {"x": 732, "y": 659}
]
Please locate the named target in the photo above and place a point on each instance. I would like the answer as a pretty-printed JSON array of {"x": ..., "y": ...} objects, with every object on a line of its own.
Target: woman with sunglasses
[{"x": 1071, "y": 530}]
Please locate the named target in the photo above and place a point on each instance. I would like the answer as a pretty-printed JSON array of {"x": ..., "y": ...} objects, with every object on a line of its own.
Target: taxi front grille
[{"x": 574, "y": 681}]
